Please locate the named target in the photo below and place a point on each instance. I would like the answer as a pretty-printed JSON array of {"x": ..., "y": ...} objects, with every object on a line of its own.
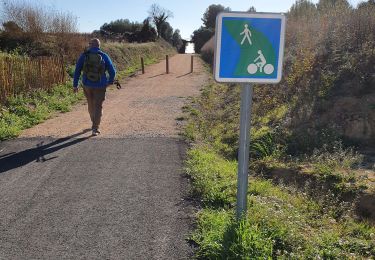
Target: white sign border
[{"x": 217, "y": 48}]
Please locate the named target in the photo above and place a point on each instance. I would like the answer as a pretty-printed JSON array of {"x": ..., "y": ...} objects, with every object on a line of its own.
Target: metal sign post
[
  {"x": 249, "y": 48},
  {"x": 243, "y": 153}
]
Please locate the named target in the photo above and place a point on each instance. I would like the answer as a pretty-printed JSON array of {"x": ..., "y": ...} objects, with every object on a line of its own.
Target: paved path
[{"x": 66, "y": 195}]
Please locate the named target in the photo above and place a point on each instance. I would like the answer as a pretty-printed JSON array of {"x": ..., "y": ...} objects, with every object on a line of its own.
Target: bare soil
[{"x": 146, "y": 106}]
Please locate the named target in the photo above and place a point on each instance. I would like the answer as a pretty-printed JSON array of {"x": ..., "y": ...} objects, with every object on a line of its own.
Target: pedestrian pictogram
[
  {"x": 247, "y": 34},
  {"x": 249, "y": 47}
]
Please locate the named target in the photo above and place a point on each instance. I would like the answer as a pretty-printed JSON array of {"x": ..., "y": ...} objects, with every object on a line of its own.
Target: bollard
[
  {"x": 167, "y": 64},
  {"x": 192, "y": 64},
  {"x": 143, "y": 66}
]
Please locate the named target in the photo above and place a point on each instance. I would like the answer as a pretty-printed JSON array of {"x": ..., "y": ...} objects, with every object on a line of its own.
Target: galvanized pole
[{"x": 243, "y": 153}]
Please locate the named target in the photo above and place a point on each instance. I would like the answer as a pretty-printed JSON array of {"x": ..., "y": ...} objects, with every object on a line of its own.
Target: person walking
[{"x": 94, "y": 63}]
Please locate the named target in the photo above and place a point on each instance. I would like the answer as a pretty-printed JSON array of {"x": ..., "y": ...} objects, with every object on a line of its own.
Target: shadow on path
[
  {"x": 157, "y": 75},
  {"x": 183, "y": 75},
  {"x": 14, "y": 160}
]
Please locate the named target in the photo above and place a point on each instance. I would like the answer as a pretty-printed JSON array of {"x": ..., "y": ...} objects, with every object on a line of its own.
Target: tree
[
  {"x": 121, "y": 26},
  {"x": 200, "y": 37},
  {"x": 302, "y": 8},
  {"x": 30, "y": 25},
  {"x": 176, "y": 40},
  {"x": 209, "y": 17},
  {"x": 37, "y": 19},
  {"x": 329, "y": 5},
  {"x": 12, "y": 27},
  {"x": 166, "y": 32},
  {"x": 13, "y": 37},
  {"x": 147, "y": 33},
  {"x": 252, "y": 9},
  {"x": 369, "y": 3},
  {"x": 159, "y": 16}
]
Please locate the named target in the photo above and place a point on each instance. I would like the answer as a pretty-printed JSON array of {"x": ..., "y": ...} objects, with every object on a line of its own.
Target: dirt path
[{"x": 147, "y": 105}]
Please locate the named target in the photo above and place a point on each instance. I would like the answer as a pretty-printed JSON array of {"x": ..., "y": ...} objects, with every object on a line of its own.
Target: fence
[{"x": 24, "y": 75}]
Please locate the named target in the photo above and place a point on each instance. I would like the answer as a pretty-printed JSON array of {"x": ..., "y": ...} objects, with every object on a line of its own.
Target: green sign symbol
[{"x": 257, "y": 57}]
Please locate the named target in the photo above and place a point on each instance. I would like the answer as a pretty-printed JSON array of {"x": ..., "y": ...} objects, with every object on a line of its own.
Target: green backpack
[{"x": 93, "y": 66}]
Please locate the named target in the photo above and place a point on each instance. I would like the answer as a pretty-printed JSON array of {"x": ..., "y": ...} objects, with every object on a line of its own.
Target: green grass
[
  {"x": 281, "y": 223},
  {"x": 131, "y": 69},
  {"x": 214, "y": 182},
  {"x": 25, "y": 111}
]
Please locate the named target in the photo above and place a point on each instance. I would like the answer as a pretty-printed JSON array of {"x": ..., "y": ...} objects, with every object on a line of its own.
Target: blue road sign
[{"x": 249, "y": 47}]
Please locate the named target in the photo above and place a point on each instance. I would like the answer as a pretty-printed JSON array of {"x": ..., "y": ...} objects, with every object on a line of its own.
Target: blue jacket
[{"x": 109, "y": 67}]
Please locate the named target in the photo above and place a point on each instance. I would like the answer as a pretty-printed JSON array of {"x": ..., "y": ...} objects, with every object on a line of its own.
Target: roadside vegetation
[
  {"x": 127, "y": 56},
  {"x": 26, "y": 110},
  {"x": 301, "y": 218},
  {"x": 281, "y": 222},
  {"x": 308, "y": 175}
]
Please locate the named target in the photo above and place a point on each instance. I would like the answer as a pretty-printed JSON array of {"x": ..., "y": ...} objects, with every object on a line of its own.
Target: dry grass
[{"x": 23, "y": 75}]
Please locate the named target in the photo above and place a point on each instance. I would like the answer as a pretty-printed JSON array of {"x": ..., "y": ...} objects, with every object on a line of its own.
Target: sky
[{"x": 187, "y": 15}]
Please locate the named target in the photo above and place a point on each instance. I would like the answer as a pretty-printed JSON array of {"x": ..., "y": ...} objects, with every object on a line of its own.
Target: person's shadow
[{"x": 14, "y": 160}]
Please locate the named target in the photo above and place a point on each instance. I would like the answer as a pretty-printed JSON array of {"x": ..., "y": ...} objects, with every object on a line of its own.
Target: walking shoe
[{"x": 95, "y": 132}]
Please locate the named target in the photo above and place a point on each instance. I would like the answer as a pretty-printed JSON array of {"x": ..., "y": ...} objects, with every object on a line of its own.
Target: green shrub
[{"x": 267, "y": 145}]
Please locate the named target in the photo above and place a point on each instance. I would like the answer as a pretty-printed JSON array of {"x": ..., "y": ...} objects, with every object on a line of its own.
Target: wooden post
[
  {"x": 10, "y": 75},
  {"x": 24, "y": 73},
  {"x": 40, "y": 71},
  {"x": 4, "y": 89},
  {"x": 167, "y": 64},
  {"x": 62, "y": 68},
  {"x": 192, "y": 64},
  {"x": 143, "y": 66}
]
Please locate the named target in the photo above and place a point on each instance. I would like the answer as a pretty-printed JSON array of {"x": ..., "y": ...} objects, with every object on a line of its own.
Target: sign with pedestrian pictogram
[{"x": 249, "y": 47}]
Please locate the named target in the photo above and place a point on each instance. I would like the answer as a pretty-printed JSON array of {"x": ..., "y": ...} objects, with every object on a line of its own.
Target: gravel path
[
  {"x": 147, "y": 105},
  {"x": 122, "y": 195}
]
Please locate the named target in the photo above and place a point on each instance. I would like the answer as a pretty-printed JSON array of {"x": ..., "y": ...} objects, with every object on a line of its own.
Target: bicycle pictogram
[{"x": 260, "y": 63}]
